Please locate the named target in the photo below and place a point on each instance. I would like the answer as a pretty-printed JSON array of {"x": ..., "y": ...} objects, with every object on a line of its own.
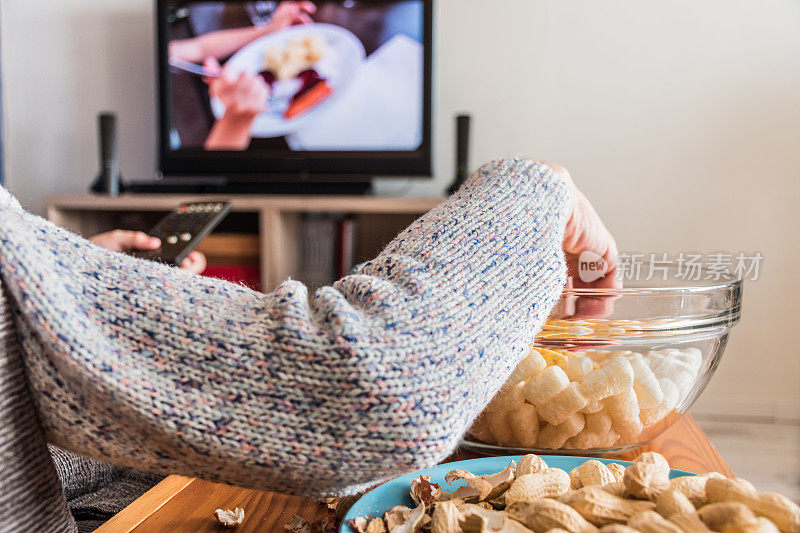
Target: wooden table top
[{"x": 181, "y": 504}]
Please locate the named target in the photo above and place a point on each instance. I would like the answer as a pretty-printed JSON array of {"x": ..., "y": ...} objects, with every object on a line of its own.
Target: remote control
[{"x": 183, "y": 229}]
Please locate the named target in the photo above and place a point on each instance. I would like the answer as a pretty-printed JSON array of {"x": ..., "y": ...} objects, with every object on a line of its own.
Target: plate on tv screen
[{"x": 292, "y": 59}]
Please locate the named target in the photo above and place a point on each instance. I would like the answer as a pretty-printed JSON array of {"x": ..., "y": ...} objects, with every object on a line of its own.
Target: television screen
[{"x": 336, "y": 88}]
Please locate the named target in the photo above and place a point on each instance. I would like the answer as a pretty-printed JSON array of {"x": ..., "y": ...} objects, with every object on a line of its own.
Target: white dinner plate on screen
[{"x": 344, "y": 55}]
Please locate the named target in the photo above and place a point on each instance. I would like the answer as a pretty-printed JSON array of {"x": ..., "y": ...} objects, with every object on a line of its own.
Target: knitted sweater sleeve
[{"x": 379, "y": 374}]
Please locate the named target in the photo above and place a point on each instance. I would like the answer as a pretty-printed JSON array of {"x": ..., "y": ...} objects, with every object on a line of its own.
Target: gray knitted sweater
[{"x": 143, "y": 365}]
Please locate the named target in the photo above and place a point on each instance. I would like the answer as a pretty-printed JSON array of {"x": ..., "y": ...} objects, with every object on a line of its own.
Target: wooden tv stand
[{"x": 274, "y": 220}]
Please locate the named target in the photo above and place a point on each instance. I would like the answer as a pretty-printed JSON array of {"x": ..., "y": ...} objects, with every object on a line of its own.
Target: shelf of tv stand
[{"x": 277, "y": 226}]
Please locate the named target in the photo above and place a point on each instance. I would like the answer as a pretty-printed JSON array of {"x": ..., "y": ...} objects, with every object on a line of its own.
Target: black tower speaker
[
  {"x": 462, "y": 152},
  {"x": 108, "y": 180}
]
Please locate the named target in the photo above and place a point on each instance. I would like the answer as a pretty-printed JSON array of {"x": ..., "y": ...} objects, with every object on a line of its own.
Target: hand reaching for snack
[
  {"x": 586, "y": 232},
  {"x": 587, "y": 238}
]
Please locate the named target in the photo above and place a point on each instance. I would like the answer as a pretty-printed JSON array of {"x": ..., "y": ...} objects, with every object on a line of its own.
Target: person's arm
[
  {"x": 379, "y": 374},
  {"x": 230, "y": 132},
  {"x": 222, "y": 43},
  {"x": 217, "y": 44}
]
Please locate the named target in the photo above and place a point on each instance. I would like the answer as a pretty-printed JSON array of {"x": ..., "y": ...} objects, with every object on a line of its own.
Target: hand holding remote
[
  {"x": 183, "y": 229},
  {"x": 123, "y": 241}
]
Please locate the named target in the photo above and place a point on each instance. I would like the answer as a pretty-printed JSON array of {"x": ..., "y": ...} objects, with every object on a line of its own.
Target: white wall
[{"x": 679, "y": 118}]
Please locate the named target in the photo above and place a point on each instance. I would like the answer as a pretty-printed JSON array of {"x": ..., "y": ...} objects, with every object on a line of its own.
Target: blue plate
[{"x": 395, "y": 492}]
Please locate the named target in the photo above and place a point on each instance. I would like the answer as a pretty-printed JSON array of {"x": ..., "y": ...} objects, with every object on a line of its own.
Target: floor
[{"x": 765, "y": 453}]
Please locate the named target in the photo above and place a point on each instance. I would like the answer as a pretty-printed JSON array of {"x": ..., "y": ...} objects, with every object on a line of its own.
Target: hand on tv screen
[
  {"x": 244, "y": 94},
  {"x": 291, "y": 13}
]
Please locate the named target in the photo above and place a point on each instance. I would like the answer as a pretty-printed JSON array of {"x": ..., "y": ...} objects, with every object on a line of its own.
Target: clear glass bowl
[{"x": 612, "y": 368}]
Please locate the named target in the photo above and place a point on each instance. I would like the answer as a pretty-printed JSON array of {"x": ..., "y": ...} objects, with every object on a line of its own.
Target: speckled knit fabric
[
  {"x": 151, "y": 367},
  {"x": 29, "y": 485},
  {"x": 96, "y": 490}
]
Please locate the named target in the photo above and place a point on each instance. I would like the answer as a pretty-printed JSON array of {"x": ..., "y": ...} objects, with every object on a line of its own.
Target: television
[{"x": 294, "y": 91}]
